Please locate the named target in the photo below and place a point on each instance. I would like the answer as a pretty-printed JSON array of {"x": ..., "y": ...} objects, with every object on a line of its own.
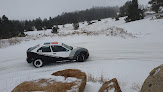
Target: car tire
[
  {"x": 80, "y": 57},
  {"x": 38, "y": 63}
]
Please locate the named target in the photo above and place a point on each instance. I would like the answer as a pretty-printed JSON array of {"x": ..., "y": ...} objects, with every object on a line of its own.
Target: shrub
[
  {"x": 14, "y": 41},
  {"x": 76, "y": 26},
  {"x": 1, "y": 43},
  {"x": 99, "y": 19},
  {"x": 136, "y": 87},
  {"x": 89, "y": 22},
  {"x": 116, "y": 18},
  {"x": 55, "y": 29},
  {"x": 100, "y": 79},
  {"x": 21, "y": 34}
]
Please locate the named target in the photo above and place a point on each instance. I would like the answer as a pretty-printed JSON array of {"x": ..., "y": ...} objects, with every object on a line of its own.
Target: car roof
[{"x": 51, "y": 43}]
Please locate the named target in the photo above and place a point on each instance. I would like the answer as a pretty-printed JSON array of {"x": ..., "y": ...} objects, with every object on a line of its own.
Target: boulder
[
  {"x": 154, "y": 82},
  {"x": 69, "y": 80},
  {"x": 110, "y": 85},
  {"x": 74, "y": 73}
]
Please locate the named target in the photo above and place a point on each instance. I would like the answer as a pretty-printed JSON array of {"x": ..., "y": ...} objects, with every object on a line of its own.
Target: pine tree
[
  {"x": 38, "y": 24},
  {"x": 28, "y": 25},
  {"x": 124, "y": 8},
  {"x": 55, "y": 29},
  {"x": 133, "y": 12},
  {"x": 76, "y": 26},
  {"x": 156, "y": 5},
  {"x": 10, "y": 28}
]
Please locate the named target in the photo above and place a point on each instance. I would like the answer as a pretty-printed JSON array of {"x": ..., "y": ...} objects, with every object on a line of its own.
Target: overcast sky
[{"x": 30, "y": 9}]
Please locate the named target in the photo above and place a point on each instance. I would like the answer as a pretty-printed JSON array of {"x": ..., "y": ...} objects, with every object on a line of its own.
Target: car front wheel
[
  {"x": 80, "y": 58},
  {"x": 38, "y": 63}
]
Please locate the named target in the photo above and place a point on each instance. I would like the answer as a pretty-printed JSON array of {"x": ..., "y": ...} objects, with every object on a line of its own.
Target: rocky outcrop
[
  {"x": 109, "y": 85},
  {"x": 69, "y": 80},
  {"x": 74, "y": 73},
  {"x": 154, "y": 82}
]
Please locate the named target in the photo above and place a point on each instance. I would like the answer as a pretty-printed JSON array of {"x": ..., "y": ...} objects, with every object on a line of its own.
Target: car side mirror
[
  {"x": 67, "y": 50},
  {"x": 71, "y": 47}
]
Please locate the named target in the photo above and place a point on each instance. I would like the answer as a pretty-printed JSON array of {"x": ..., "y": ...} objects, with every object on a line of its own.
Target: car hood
[{"x": 77, "y": 50}]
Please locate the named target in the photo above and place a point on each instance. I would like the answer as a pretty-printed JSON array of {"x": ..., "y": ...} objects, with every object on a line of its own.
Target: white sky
[{"x": 30, "y": 9}]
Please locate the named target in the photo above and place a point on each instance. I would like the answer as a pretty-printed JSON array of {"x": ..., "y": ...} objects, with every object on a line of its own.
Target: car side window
[
  {"x": 44, "y": 49},
  {"x": 58, "y": 48}
]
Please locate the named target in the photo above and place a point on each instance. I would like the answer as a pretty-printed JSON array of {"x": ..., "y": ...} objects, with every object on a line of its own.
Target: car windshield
[
  {"x": 32, "y": 48},
  {"x": 66, "y": 46}
]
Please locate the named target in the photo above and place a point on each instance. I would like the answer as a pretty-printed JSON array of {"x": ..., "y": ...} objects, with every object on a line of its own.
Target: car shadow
[{"x": 60, "y": 63}]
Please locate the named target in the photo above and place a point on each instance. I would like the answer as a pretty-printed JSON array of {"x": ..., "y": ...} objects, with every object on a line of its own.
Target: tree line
[
  {"x": 94, "y": 13},
  {"x": 132, "y": 9},
  {"x": 12, "y": 28}
]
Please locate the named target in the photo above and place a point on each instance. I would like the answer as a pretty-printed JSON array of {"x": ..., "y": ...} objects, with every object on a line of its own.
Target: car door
[
  {"x": 45, "y": 51},
  {"x": 60, "y": 51}
]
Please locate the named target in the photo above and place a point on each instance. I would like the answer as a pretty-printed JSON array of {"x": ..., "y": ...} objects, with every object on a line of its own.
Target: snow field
[{"x": 128, "y": 59}]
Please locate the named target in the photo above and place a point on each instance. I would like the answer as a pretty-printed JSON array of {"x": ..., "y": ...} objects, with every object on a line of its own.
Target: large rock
[
  {"x": 110, "y": 85},
  {"x": 74, "y": 73},
  {"x": 63, "y": 81},
  {"x": 154, "y": 82}
]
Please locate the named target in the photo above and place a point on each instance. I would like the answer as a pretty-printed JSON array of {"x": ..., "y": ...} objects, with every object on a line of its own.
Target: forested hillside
[{"x": 11, "y": 28}]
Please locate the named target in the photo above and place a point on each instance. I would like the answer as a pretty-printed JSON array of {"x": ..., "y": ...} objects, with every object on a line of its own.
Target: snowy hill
[{"x": 126, "y": 51}]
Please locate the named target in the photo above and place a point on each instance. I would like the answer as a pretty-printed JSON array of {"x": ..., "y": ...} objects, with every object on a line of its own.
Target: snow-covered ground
[{"x": 129, "y": 58}]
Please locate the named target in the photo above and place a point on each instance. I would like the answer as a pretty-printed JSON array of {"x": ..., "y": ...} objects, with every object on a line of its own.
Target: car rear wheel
[
  {"x": 80, "y": 58},
  {"x": 38, "y": 63}
]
